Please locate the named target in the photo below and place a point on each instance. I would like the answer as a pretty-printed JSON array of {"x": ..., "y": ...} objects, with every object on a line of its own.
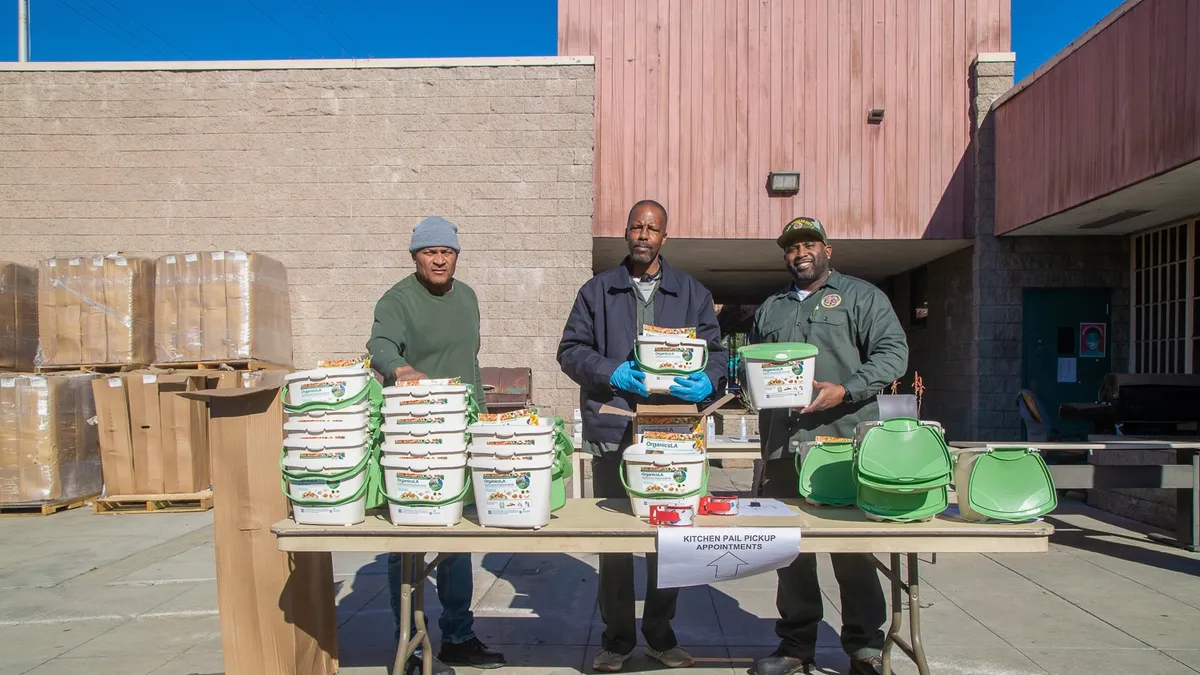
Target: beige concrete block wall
[{"x": 327, "y": 170}]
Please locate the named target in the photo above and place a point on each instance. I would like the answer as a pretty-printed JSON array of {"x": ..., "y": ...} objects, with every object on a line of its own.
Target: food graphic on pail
[
  {"x": 779, "y": 375},
  {"x": 664, "y": 479}
]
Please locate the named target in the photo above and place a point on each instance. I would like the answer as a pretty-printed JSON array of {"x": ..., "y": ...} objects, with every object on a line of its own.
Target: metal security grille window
[{"x": 1165, "y": 297}]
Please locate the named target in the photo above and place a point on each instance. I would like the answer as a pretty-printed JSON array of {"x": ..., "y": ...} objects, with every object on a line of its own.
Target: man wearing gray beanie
[{"x": 427, "y": 326}]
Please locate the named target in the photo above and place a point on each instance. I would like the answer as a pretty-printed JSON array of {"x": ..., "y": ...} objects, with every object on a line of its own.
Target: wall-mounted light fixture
[
  {"x": 783, "y": 182},
  {"x": 875, "y": 116}
]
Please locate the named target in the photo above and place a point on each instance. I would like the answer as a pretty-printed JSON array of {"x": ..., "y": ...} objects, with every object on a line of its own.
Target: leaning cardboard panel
[
  {"x": 222, "y": 306},
  {"x": 95, "y": 311},
  {"x": 683, "y": 418},
  {"x": 277, "y": 609},
  {"x": 18, "y": 317},
  {"x": 49, "y": 446}
]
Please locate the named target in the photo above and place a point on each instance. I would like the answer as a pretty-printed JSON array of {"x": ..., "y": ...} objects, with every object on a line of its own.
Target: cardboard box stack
[
  {"x": 153, "y": 440},
  {"x": 222, "y": 306},
  {"x": 18, "y": 317},
  {"x": 95, "y": 311},
  {"x": 48, "y": 443}
]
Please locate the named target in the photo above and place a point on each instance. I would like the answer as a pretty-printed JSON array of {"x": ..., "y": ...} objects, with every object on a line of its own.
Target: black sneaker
[
  {"x": 472, "y": 653},
  {"x": 868, "y": 666},
  {"x": 780, "y": 663},
  {"x": 413, "y": 667}
]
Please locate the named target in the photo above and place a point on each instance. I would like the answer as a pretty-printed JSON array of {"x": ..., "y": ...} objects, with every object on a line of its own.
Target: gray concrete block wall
[{"x": 327, "y": 170}]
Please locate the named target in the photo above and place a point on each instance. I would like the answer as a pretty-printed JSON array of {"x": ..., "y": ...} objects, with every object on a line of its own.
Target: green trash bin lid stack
[
  {"x": 826, "y": 471},
  {"x": 902, "y": 468},
  {"x": 1009, "y": 484}
]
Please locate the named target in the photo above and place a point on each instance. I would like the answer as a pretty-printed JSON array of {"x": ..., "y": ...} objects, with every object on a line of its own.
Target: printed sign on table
[{"x": 697, "y": 556}]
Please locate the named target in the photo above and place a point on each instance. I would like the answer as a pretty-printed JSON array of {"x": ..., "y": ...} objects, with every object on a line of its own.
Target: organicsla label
[
  {"x": 783, "y": 381},
  {"x": 322, "y": 455},
  {"x": 417, "y": 486},
  {"x": 414, "y": 402},
  {"x": 512, "y": 441},
  {"x": 318, "y": 488},
  {"x": 674, "y": 358},
  {"x": 661, "y": 442},
  {"x": 428, "y": 440},
  {"x": 666, "y": 480},
  {"x": 507, "y": 494},
  {"x": 405, "y": 421},
  {"x": 325, "y": 390}
]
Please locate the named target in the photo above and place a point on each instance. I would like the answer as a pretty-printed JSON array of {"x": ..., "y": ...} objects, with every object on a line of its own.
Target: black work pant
[
  {"x": 617, "y": 596},
  {"x": 864, "y": 609}
]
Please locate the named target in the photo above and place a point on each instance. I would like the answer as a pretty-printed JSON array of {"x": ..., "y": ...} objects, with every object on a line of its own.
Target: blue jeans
[{"x": 454, "y": 588}]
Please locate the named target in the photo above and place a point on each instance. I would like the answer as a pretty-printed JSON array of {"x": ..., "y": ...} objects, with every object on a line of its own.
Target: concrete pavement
[{"x": 136, "y": 595}]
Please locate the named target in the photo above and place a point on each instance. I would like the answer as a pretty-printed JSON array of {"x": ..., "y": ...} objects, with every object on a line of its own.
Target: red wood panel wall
[
  {"x": 1123, "y": 107},
  {"x": 697, "y": 100}
]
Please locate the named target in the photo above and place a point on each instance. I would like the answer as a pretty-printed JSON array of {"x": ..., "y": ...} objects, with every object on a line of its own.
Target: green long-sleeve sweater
[{"x": 437, "y": 335}]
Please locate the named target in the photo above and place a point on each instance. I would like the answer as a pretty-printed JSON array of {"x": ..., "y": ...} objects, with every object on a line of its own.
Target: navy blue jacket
[{"x": 601, "y": 332}]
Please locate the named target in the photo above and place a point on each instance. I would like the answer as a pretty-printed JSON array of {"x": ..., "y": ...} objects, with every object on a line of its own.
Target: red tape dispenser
[
  {"x": 719, "y": 505},
  {"x": 671, "y": 516}
]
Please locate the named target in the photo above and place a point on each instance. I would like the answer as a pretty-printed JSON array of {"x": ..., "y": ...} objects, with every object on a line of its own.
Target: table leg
[
  {"x": 413, "y": 572},
  {"x": 916, "y": 649}
]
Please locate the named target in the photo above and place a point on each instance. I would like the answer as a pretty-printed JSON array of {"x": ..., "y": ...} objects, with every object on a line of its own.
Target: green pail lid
[{"x": 779, "y": 352}]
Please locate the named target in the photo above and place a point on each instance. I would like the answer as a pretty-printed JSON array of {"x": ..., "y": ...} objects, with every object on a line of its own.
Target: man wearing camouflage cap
[{"x": 861, "y": 349}]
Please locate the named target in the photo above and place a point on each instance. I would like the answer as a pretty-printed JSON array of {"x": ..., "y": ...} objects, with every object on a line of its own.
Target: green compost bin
[
  {"x": 1010, "y": 484},
  {"x": 902, "y": 455},
  {"x": 826, "y": 473}
]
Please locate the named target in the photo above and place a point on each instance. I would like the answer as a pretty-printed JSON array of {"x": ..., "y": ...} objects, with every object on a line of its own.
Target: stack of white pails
[
  {"x": 665, "y": 468},
  {"x": 328, "y": 448},
  {"x": 424, "y": 451},
  {"x": 511, "y": 460}
]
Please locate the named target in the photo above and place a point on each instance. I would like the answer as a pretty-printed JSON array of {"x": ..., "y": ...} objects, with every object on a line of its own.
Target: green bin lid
[
  {"x": 940, "y": 481},
  {"x": 1011, "y": 484},
  {"x": 903, "y": 507},
  {"x": 904, "y": 453},
  {"x": 779, "y": 352},
  {"x": 826, "y": 473}
]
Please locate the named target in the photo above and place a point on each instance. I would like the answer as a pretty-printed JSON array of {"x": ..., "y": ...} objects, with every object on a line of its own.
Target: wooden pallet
[
  {"x": 222, "y": 365},
  {"x": 162, "y": 503},
  {"x": 45, "y": 508},
  {"x": 102, "y": 368}
]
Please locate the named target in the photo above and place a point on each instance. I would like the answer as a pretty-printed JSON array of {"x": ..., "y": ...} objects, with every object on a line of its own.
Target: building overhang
[
  {"x": 747, "y": 270},
  {"x": 1163, "y": 199}
]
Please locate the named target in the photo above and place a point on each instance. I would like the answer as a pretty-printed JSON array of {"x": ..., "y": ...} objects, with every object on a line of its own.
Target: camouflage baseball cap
[{"x": 802, "y": 228}]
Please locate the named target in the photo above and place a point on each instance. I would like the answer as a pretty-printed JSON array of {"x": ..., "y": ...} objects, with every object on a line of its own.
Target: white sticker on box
[
  {"x": 218, "y": 256},
  {"x": 114, "y": 382},
  {"x": 507, "y": 494},
  {"x": 37, "y": 382},
  {"x": 73, "y": 262},
  {"x": 97, "y": 262},
  {"x": 170, "y": 260},
  {"x": 52, "y": 263},
  {"x": 120, "y": 261},
  {"x": 237, "y": 255},
  {"x": 8, "y": 383},
  {"x": 43, "y": 408},
  {"x": 149, "y": 379},
  {"x": 191, "y": 257}
]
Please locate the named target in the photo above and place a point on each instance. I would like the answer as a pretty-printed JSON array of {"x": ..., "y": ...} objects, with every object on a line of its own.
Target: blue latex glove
[
  {"x": 693, "y": 388},
  {"x": 628, "y": 377}
]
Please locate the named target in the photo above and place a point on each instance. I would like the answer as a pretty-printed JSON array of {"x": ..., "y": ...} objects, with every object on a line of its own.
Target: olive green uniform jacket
[{"x": 861, "y": 346}]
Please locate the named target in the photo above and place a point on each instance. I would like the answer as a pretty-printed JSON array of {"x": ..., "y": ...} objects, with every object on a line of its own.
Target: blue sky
[{"x": 118, "y": 30}]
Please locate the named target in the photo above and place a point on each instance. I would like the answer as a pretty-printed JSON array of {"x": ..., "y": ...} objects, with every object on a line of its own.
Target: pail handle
[{"x": 645, "y": 495}]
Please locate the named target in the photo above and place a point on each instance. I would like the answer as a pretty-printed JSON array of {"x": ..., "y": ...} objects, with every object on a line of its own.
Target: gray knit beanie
[{"x": 434, "y": 231}]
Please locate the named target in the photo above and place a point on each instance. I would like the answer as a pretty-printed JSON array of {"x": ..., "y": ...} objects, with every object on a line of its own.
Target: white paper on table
[
  {"x": 766, "y": 507},
  {"x": 697, "y": 556}
]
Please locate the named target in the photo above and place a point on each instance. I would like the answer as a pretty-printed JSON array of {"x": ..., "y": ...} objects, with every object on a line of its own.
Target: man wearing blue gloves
[{"x": 596, "y": 352}]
